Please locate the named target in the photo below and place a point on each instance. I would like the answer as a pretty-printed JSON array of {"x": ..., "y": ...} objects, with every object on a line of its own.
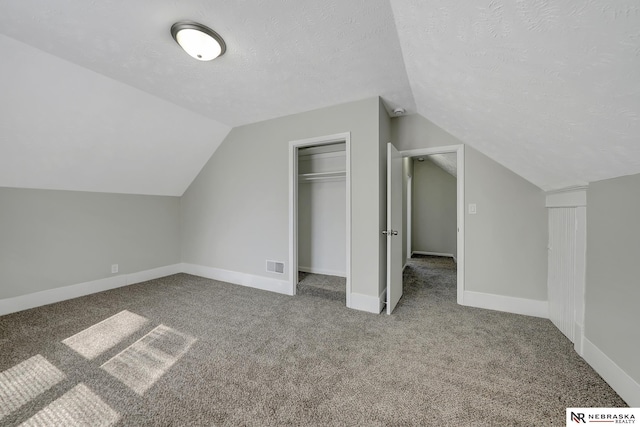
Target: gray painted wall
[
  {"x": 434, "y": 209},
  {"x": 384, "y": 137},
  {"x": 50, "y": 238},
  {"x": 506, "y": 242},
  {"x": 234, "y": 218},
  {"x": 612, "y": 318}
]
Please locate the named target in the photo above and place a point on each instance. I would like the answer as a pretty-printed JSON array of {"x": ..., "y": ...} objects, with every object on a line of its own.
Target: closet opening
[{"x": 320, "y": 217}]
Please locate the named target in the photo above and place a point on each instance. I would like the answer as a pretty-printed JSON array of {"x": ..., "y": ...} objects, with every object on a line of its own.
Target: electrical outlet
[
  {"x": 472, "y": 209},
  {"x": 114, "y": 268}
]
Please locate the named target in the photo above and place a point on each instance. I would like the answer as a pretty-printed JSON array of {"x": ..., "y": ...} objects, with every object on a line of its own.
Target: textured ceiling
[
  {"x": 549, "y": 89},
  {"x": 282, "y": 57},
  {"x": 64, "y": 127},
  {"x": 446, "y": 161}
]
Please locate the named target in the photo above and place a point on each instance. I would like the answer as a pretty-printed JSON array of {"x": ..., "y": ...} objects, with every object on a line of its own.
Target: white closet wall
[{"x": 322, "y": 210}]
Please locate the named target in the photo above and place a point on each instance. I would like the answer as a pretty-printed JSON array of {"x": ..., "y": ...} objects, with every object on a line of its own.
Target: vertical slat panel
[{"x": 562, "y": 269}]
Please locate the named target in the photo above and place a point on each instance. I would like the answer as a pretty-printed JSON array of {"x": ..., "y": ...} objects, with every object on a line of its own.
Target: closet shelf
[{"x": 322, "y": 176}]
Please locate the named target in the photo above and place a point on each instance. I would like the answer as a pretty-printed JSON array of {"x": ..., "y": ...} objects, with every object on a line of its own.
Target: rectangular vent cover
[{"x": 275, "y": 267}]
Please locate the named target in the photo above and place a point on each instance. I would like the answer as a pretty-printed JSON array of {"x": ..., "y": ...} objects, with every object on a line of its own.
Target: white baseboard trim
[
  {"x": 242, "y": 279},
  {"x": 618, "y": 379},
  {"x": 404, "y": 266},
  {"x": 50, "y": 296},
  {"x": 313, "y": 270},
  {"x": 433, "y": 254},
  {"x": 366, "y": 303},
  {"x": 154, "y": 273},
  {"x": 383, "y": 299},
  {"x": 578, "y": 339},
  {"x": 515, "y": 305}
]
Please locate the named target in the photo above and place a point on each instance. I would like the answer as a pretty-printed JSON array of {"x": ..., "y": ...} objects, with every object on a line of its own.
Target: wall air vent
[{"x": 275, "y": 267}]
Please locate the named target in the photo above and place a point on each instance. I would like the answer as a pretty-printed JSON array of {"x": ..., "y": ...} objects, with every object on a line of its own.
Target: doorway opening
[
  {"x": 320, "y": 217},
  {"x": 431, "y": 223},
  {"x": 431, "y": 199},
  {"x": 433, "y": 228}
]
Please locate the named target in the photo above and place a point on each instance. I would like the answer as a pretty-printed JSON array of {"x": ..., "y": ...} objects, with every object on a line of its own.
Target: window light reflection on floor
[
  {"x": 77, "y": 407},
  {"x": 95, "y": 340},
  {"x": 141, "y": 364},
  {"x": 25, "y": 381}
]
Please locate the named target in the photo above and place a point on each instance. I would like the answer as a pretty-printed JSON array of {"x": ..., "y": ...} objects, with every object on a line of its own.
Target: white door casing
[
  {"x": 409, "y": 217},
  {"x": 394, "y": 227}
]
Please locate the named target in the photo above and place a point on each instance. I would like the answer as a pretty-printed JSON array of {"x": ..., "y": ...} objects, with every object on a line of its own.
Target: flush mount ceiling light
[{"x": 200, "y": 42}]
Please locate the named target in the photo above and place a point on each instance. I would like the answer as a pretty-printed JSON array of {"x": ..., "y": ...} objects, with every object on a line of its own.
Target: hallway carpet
[{"x": 188, "y": 351}]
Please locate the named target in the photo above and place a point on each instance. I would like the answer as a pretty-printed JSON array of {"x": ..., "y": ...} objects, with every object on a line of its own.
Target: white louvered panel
[{"x": 562, "y": 269}]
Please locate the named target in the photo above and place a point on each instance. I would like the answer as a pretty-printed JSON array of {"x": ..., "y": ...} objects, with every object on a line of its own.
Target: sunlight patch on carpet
[
  {"x": 141, "y": 364},
  {"x": 26, "y": 381},
  {"x": 95, "y": 340},
  {"x": 77, "y": 407}
]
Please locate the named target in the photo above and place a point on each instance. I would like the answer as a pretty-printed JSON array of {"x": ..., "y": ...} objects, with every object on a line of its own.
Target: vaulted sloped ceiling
[
  {"x": 97, "y": 96},
  {"x": 446, "y": 161},
  {"x": 64, "y": 127},
  {"x": 549, "y": 89},
  {"x": 163, "y": 114}
]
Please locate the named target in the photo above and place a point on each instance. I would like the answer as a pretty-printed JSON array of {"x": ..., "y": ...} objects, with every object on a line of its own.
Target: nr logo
[{"x": 577, "y": 417}]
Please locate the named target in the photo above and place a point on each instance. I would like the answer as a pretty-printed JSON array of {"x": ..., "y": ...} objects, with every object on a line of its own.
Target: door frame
[
  {"x": 459, "y": 150},
  {"x": 409, "y": 216},
  {"x": 293, "y": 204},
  {"x": 392, "y": 154}
]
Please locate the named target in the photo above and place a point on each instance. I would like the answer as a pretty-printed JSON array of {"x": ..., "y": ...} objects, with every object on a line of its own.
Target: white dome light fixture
[{"x": 200, "y": 42}]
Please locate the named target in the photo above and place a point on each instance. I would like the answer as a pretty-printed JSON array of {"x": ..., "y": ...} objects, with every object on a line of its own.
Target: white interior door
[{"x": 394, "y": 227}]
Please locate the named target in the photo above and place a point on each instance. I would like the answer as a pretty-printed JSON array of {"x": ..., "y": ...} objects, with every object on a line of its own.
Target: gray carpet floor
[
  {"x": 186, "y": 351},
  {"x": 322, "y": 285}
]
